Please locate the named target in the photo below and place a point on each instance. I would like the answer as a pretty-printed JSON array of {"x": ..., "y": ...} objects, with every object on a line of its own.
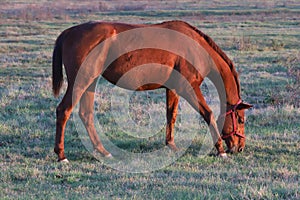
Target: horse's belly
[{"x": 143, "y": 77}]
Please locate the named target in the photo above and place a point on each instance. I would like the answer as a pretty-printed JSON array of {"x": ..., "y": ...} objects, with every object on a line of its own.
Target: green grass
[{"x": 264, "y": 45}]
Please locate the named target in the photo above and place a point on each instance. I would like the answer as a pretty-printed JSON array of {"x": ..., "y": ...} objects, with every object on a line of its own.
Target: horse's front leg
[
  {"x": 86, "y": 113},
  {"x": 197, "y": 101},
  {"x": 172, "y": 100}
]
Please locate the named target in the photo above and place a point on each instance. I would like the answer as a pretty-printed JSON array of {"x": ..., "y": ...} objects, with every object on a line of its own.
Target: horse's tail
[{"x": 57, "y": 72}]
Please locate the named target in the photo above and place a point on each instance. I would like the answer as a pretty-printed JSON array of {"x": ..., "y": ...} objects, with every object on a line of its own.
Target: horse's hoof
[
  {"x": 64, "y": 161},
  {"x": 108, "y": 156},
  {"x": 173, "y": 147},
  {"x": 223, "y": 155}
]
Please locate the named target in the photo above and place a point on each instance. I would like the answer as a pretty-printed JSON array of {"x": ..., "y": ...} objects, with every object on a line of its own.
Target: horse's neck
[
  {"x": 231, "y": 88},
  {"x": 222, "y": 72},
  {"x": 226, "y": 83}
]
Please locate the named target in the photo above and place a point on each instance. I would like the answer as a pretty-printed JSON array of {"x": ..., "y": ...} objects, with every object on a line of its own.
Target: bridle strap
[{"x": 234, "y": 121}]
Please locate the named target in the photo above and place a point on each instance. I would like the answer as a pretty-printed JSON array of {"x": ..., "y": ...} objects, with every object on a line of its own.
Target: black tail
[{"x": 57, "y": 73}]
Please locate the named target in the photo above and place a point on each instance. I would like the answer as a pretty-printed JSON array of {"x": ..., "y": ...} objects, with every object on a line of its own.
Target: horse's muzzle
[{"x": 235, "y": 149}]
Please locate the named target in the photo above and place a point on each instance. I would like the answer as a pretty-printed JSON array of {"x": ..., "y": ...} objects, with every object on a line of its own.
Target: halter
[{"x": 232, "y": 112}]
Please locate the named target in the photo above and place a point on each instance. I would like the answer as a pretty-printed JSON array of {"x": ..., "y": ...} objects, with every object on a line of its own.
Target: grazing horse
[{"x": 74, "y": 47}]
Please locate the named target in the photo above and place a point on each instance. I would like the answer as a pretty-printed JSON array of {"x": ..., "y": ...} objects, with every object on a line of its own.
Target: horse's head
[{"x": 233, "y": 131}]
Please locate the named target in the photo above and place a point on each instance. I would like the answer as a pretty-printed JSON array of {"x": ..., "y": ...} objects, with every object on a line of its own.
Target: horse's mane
[{"x": 220, "y": 52}]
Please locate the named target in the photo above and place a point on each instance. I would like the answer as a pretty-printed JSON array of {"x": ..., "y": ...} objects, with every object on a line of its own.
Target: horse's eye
[{"x": 241, "y": 120}]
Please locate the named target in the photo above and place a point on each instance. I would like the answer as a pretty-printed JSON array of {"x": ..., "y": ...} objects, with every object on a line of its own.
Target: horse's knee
[{"x": 209, "y": 117}]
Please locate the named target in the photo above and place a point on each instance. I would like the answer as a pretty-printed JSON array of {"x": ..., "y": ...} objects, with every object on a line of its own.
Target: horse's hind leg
[
  {"x": 63, "y": 112},
  {"x": 172, "y": 100},
  {"x": 86, "y": 113}
]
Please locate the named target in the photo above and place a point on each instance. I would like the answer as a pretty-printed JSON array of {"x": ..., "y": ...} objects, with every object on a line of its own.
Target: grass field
[{"x": 261, "y": 37}]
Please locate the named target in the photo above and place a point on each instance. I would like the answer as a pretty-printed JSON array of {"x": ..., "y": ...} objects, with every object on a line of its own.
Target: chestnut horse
[{"x": 75, "y": 45}]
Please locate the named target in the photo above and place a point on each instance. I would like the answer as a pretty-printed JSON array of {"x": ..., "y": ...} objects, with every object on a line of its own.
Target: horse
[{"x": 74, "y": 49}]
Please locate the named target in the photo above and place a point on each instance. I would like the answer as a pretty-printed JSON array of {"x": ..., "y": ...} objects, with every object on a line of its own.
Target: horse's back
[{"x": 80, "y": 40}]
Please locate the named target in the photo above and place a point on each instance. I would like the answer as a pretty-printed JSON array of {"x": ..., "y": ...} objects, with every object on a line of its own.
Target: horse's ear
[{"x": 243, "y": 106}]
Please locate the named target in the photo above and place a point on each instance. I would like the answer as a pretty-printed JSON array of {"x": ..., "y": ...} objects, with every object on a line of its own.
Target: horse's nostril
[{"x": 241, "y": 149}]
